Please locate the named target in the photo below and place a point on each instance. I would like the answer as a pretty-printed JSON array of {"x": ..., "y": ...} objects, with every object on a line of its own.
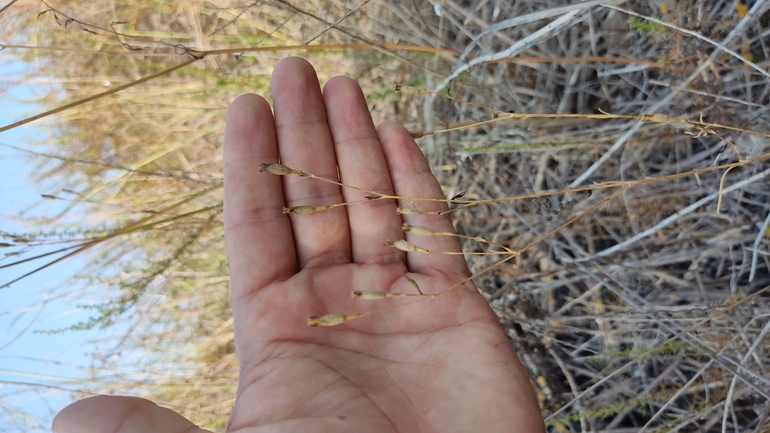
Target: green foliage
[{"x": 645, "y": 27}]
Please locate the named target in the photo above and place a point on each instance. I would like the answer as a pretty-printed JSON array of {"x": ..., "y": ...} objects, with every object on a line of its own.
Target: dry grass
[{"x": 629, "y": 185}]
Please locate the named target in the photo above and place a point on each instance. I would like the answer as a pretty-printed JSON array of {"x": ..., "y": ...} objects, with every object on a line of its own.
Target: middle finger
[{"x": 304, "y": 143}]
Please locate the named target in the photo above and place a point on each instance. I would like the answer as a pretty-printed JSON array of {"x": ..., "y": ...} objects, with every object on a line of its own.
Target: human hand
[{"x": 439, "y": 366}]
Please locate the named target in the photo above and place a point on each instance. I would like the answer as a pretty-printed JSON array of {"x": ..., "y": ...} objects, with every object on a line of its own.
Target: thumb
[{"x": 116, "y": 414}]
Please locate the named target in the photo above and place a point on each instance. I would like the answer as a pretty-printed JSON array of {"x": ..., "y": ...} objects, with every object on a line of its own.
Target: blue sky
[{"x": 40, "y": 302}]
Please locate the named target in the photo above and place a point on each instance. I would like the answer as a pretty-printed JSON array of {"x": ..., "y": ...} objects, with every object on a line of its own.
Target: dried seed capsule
[
  {"x": 326, "y": 320},
  {"x": 422, "y": 231},
  {"x": 299, "y": 210},
  {"x": 371, "y": 295},
  {"x": 278, "y": 169},
  {"x": 409, "y": 90},
  {"x": 408, "y": 247}
]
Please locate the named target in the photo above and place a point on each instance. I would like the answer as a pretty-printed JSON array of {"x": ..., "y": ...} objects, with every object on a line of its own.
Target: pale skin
[{"x": 444, "y": 365}]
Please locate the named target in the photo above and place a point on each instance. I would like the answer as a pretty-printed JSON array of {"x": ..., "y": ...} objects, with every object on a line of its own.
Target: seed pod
[
  {"x": 326, "y": 320},
  {"x": 408, "y": 90},
  {"x": 406, "y": 246},
  {"x": 278, "y": 169},
  {"x": 299, "y": 210},
  {"x": 371, "y": 295},
  {"x": 657, "y": 118},
  {"x": 422, "y": 231}
]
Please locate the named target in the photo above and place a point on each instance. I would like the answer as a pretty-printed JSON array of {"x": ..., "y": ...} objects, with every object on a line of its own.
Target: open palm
[{"x": 439, "y": 366}]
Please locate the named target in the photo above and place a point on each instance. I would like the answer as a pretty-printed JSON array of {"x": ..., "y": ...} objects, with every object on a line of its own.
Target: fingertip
[
  {"x": 292, "y": 64},
  {"x": 344, "y": 84},
  {"x": 246, "y": 101},
  {"x": 346, "y": 107},
  {"x": 244, "y": 110},
  {"x": 249, "y": 128},
  {"x": 394, "y": 129},
  {"x": 296, "y": 77}
]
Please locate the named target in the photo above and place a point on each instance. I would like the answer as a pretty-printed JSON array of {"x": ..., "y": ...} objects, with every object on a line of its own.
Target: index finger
[{"x": 259, "y": 239}]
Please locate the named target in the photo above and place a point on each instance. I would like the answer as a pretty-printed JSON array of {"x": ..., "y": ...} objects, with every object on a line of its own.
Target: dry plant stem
[
  {"x": 411, "y": 248},
  {"x": 199, "y": 55},
  {"x": 604, "y": 185},
  {"x": 755, "y": 254},
  {"x": 374, "y": 295},
  {"x": 405, "y": 246},
  {"x": 541, "y": 34},
  {"x": 695, "y": 35},
  {"x": 335, "y": 23},
  {"x": 721, "y": 190},
  {"x": 413, "y": 282},
  {"x": 334, "y": 319},
  {"x": 409, "y": 90},
  {"x": 282, "y": 170},
  {"x": 97, "y": 96},
  {"x": 734, "y": 382},
  {"x": 523, "y": 19},
  {"x": 424, "y": 231},
  {"x": 7, "y": 6},
  {"x": 640, "y": 304},
  {"x": 514, "y": 60},
  {"x": 127, "y": 229},
  {"x": 704, "y": 128},
  {"x": 470, "y": 203},
  {"x": 653, "y": 350},
  {"x": 755, "y": 11},
  {"x": 618, "y": 247}
]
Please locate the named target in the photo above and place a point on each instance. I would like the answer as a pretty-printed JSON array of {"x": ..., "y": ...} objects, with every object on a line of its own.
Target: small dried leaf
[
  {"x": 326, "y": 320},
  {"x": 371, "y": 295},
  {"x": 413, "y": 282},
  {"x": 278, "y": 169}
]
